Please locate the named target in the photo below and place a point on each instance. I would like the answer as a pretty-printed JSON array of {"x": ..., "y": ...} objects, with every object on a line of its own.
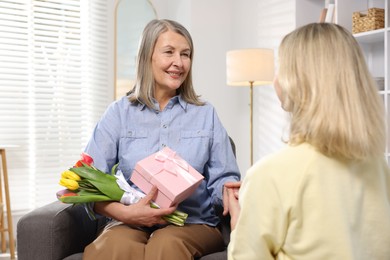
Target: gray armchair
[{"x": 61, "y": 231}]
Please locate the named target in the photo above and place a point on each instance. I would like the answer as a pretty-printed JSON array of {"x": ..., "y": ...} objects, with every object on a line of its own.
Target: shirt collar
[
  {"x": 171, "y": 103},
  {"x": 182, "y": 103}
]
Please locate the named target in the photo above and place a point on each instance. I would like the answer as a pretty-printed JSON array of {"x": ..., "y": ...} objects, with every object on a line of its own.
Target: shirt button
[
  {"x": 163, "y": 145},
  {"x": 165, "y": 126}
]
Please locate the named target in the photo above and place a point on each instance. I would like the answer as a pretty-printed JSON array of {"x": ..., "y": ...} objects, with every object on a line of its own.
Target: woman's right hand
[
  {"x": 230, "y": 201},
  {"x": 141, "y": 214},
  {"x": 138, "y": 214},
  {"x": 233, "y": 188}
]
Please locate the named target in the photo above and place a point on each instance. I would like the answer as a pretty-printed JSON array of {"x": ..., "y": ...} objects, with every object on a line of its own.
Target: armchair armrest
[
  {"x": 54, "y": 232},
  {"x": 225, "y": 231}
]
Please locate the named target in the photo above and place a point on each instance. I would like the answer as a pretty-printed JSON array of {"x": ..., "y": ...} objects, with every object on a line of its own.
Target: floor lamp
[{"x": 250, "y": 67}]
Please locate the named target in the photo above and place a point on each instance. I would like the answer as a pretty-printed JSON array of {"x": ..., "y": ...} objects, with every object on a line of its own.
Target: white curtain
[{"x": 54, "y": 86}]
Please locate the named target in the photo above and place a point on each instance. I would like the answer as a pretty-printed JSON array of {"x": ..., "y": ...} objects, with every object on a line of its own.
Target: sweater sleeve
[{"x": 261, "y": 226}]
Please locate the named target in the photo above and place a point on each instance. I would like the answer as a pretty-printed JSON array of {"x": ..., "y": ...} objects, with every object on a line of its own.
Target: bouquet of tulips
[{"x": 85, "y": 183}]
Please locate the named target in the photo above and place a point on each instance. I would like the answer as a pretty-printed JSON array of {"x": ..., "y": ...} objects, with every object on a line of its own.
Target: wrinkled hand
[
  {"x": 233, "y": 188},
  {"x": 230, "y": 201},
  {"x": 141, "y": 214}
]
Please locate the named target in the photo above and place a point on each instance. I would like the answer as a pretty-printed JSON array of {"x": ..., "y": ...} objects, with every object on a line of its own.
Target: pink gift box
[{"x": 174, "y": 177}]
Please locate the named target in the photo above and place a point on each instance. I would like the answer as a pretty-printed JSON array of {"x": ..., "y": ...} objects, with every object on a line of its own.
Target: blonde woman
[{"x": 326, "y": 195}]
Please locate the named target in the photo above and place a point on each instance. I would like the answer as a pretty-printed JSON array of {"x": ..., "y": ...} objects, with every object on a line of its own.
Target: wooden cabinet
[{"x": 375, "y": 43}]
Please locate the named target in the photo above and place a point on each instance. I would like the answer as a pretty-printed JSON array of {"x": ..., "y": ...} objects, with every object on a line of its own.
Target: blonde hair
[
  {"x": 143, "y": 90},
  {"x": 330, "y": 93}
]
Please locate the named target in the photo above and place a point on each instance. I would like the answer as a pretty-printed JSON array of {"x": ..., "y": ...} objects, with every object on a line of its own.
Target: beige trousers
[{"x": 168, "y": 243}]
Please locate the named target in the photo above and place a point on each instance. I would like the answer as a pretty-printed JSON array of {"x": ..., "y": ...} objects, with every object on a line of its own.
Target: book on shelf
[
  {"x": 380, "y": 82},
  {"x": 323, "y": 15},
  {"x": 329, "y": 13}
]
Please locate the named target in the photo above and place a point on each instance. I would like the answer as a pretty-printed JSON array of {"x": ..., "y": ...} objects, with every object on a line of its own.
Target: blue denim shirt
[{"x": 129, "y": 132}]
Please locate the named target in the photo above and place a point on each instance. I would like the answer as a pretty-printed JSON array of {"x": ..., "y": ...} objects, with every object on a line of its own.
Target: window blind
[{"x": 54, "y": 86}]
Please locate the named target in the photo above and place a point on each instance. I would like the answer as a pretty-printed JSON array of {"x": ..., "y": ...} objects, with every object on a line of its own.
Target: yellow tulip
[
  {"x": 69, "y": 184},
  {"x": 70, "y": 175}
]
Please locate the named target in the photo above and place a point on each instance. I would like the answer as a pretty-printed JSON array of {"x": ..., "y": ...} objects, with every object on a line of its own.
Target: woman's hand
[
  {"x": 142, "y": 214},
  {"x": 138, "y": 214},
  {"x": 230, "y": 201},
  {"x": 232, "y": 187}
]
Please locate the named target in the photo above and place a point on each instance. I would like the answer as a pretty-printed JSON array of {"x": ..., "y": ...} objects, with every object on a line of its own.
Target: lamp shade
[{"x": 250, "y": 65}]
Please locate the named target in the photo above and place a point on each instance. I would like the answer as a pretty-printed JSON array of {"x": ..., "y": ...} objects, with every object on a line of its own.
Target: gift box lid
[{"x": 167, "y": 161}]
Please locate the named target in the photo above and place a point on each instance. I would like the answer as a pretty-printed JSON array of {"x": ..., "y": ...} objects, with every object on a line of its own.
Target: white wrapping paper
[{"x": 131, "y": 195}]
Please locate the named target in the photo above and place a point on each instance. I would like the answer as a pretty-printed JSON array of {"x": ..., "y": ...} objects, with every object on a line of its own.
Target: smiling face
[{"x": 170, "y": 62}]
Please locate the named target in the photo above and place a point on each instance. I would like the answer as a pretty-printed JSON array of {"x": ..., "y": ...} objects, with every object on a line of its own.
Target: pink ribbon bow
[{"x": 175, "y": 165}]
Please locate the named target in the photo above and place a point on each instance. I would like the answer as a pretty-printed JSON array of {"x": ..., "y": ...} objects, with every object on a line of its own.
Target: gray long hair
[{"x": 143, "y": 90}]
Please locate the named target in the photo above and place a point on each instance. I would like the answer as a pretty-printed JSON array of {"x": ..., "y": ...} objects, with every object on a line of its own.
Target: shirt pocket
[
  {"x": 196, "y": 145},
  {"x": 133, "y": 146},
  {"x": 136, "y": 134}
]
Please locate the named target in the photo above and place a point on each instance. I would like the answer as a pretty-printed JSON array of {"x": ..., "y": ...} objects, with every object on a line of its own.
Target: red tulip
[
  {"x": 65, "y": 193},
  {"x": 84, "y": 158},
  {"x": 70, "y": 194},
  {"x": 78, "y": 164}
]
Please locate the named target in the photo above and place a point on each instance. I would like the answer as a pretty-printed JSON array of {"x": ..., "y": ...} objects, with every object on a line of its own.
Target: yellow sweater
[{"x": 300, "y": 204}]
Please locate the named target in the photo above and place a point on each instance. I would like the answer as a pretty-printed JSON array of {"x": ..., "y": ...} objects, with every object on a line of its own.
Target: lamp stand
[
  {"x": 254, "y": 66},
  {"x": 251, "y": 121}
]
